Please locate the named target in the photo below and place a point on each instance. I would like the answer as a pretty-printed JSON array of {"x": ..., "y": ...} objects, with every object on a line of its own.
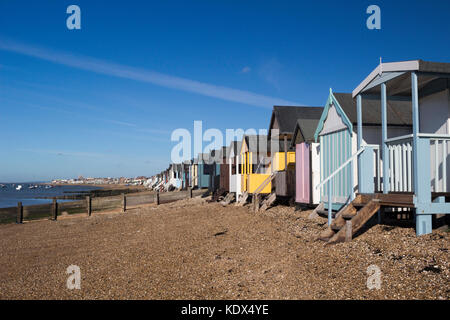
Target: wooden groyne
[{"x": 89, "y": 205}]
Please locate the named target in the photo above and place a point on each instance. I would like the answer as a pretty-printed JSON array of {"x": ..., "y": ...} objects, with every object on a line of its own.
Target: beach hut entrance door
[
  {"x": 302, "y": 172},
  {"x": 337, "y": 149}
]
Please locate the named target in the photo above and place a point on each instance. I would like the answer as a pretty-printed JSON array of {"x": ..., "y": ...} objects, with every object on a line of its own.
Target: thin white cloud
[
  {"x": 66, "y": 153},
  {"x": 246, "y": 69},
  {"x": 121, "y": 123},
  {"x": 160, "y": 131},
  {"x": 270, "y": 72},
  {"x": 127, "y": 72}
]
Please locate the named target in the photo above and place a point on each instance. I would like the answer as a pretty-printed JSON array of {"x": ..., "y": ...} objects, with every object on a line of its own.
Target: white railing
[
  {"x": 439, "y": 153},
  {"x": 401, "y": 162}
]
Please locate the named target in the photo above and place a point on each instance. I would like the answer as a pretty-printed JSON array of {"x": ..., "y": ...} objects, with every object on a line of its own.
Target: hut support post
[
  {"x": 421, "y": 159},
  {"x": 384, "y": 147},
  {"x": 360, "y": 132}
]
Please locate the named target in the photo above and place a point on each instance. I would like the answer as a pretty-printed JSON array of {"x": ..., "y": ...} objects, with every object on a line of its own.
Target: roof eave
[{"x": 412, "y": 65}]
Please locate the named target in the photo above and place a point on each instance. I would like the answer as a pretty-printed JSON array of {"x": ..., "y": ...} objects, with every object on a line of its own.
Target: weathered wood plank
[
  {"x": 243, "y": 199},
  {"x": 268, "y": 202},
  {"x": 358, "y": 221},
  {"x": 391, "y": 199},
  {"x": 338, "y": 223}
]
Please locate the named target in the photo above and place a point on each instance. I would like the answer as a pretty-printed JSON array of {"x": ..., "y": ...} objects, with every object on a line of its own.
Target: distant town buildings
[{"x": 97, "y": 181}]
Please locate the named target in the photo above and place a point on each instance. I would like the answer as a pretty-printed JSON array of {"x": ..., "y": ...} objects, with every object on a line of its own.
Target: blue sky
[{"x": 103, "y": 100}]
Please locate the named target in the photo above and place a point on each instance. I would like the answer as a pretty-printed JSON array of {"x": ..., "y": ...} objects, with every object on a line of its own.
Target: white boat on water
[{"x": 19, "y": 187}]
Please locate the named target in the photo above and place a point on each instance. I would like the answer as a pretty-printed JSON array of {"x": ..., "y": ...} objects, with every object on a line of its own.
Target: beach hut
[
  {"x": 254, "y": 169},
  {"x": 194, "y": 173},
  {"x": 203, "y": 166},
  {"x": 185, "y": 174},
  {"x": 175, "y": 176},
  {"x": 213, "y": 170},
  {"x": 338, "y": 137},
  {"x": 282, "y": 153},
  {"x": 165, "y": 180},
  {"x": 416, "y": 162},
  {"x": 224, "y": 183},
  {"x": 234, "y": 167},
  {"x": 307, "y": 157}
]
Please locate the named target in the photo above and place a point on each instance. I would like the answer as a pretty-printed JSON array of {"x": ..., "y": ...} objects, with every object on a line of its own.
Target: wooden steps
[
  {"x": 230, "y": 197},
  {"x": 217, "y": 194},
  {"x": 268, "y": 202},
  {"x": 338, "y": 222},
  {"x": 350, "y": 219},
  {"x": 356, "y": 222},
  {"x": 242, "y": 199}
]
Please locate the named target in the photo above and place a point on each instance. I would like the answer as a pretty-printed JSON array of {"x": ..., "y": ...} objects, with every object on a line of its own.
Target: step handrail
[{"x": 341, "y": 167}]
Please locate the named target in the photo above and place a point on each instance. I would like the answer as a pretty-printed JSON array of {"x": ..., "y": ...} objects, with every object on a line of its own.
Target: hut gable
[
  {"x": 305, "y": 126},
  {"x": 334, "y": 121},
  {"x": 254, "y": 143},
  {"x": 333, "y": 118}
]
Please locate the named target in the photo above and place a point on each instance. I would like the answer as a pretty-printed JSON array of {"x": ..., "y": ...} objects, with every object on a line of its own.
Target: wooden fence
[{"x": 90, "y": 205}]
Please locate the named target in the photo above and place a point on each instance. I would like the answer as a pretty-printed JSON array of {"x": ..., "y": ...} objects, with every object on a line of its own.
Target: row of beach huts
[{"x": 395, "y": 124}]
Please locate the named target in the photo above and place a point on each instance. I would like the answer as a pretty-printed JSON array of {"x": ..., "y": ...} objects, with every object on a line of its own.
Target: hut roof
[{"x": 286, "y": 117}]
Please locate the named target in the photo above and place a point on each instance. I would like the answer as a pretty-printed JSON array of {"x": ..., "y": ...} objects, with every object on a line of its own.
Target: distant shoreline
[{"x": 101, "y": 186}]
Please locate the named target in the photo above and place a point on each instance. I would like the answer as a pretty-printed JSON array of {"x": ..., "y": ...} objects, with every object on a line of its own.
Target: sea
[{"x": 34, "y": 193}]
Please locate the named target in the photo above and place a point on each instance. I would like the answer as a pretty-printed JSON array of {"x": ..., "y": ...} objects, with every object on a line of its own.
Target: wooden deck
[
  {"x": 403, "y": 200},
  {"x": 396, "y": 199}
]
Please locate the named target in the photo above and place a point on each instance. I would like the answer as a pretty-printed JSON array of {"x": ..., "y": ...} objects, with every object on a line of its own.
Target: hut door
[
  {"x": 302, "y": 173},
  {"x": 336, "y": 148}
]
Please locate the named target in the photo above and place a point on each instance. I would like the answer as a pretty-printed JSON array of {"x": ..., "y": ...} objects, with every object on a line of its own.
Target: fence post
[
  {"x": 189, "y": 192},
  {"x": 19, "y": 218},
  {"x": 157, "y": 198},
  {"x": 55, "y": 209},
  {"x": 89, "y": 205},
  {"x": 124, "y": 202}
]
